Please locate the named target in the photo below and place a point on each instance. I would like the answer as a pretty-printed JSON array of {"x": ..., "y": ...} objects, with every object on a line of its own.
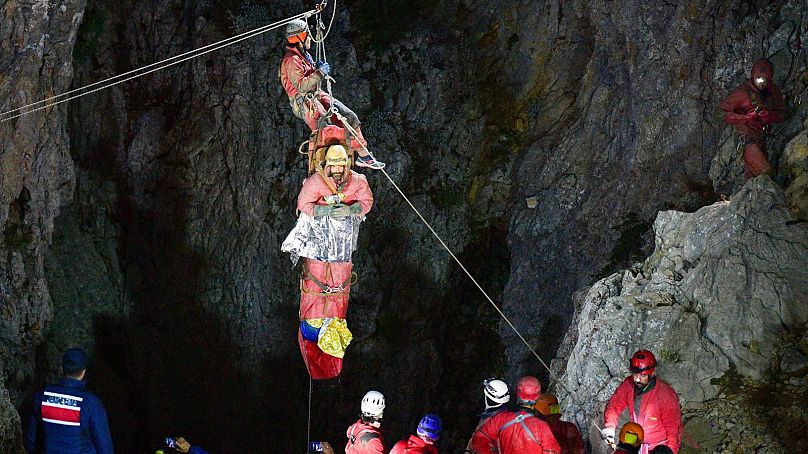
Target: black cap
[{"x": 74, "y": 360}]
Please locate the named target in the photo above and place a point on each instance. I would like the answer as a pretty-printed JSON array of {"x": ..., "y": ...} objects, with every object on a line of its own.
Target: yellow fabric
[
  {"x": 315, "y": 322},
  {"x": 335, "y": 337}
]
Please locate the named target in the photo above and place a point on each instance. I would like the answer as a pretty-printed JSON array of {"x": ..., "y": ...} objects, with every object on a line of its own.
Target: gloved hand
[
  {"x": 356, "y": 209},
  {"x": 332, "y": 199},
  {"x": 607, "y": 433},
  {"x": 340, "y": 211},
  {"x": 322, "y": 210},
  {"x": 324, "y": 67}
]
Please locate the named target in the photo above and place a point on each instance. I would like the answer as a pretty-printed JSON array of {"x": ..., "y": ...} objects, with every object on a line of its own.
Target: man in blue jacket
[{"x": 72, "y": 419}]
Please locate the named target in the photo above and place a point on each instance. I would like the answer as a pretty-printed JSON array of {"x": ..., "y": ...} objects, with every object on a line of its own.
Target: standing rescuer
[
  {"x": 73, "y": 420},
  {"x": 301, "y": 77},
  {"x": 652, "y": 403},
  {"x": 751, "y": 108},
  {"x": 484, "y": 439},
  {"x": 521, "y": 431},
  {"x": 423, "y": 442},
  {"x": 566, "y": 433},
  {"x": 365, "y": 436}
]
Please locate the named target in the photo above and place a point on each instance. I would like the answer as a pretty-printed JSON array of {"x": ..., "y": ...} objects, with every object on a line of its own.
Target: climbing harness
[
  {"x": 325, "y": 289},
  {"x": 519, "y": 419},
  {"x": 139, "y": 72}
]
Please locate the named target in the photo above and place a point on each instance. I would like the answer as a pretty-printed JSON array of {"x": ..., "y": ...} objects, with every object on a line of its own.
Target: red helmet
[
  {"x": 763, "y": 68},
  {"x": 643, "y": 362},
  {"x": 528, "y": 389}
]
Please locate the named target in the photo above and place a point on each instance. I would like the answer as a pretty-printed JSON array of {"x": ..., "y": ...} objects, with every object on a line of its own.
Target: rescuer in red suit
[
  {"x": 751, "y": 108},
  {"x": 484, "y": 438},
  {"x": 423, "y": 442},
  {"x": 521, "y": 431},
  {"x": 651, "y": 403},
  {"x": 365, "y": 435},
  {"x": 300, "y": 77},
  {"x": 566, "y": 433}
]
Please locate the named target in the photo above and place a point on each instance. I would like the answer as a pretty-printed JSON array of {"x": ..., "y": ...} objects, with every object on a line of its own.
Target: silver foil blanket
[{"x": 324, "y": 239}]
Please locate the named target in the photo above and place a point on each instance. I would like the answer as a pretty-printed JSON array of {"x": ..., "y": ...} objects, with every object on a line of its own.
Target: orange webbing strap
[{"x": 326, "y": 290}]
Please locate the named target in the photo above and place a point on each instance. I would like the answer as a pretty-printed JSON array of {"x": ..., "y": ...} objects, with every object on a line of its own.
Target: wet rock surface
[
  {"x": 180, "y": 187},
  {"x": 10, "y": 428},
  {"x": 725, "y": 292}
]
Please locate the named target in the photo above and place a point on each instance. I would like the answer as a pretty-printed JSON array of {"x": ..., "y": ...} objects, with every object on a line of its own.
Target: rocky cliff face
[
  {"x": 36, "y": 180},
  {"x": 180, "y": 187},
  {"x": 725, "y": 294},
  {"x": 638, "y": 135}
]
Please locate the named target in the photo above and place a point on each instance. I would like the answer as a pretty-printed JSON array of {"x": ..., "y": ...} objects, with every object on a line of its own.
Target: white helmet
[
  {"x": 496, "y": 391},
  {"x": 295, "y": 27},
  {"x": 373, "y": 404}
]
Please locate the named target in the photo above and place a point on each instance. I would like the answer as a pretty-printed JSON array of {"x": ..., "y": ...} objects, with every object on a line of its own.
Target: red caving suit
[{"x": 658, "y": 413}]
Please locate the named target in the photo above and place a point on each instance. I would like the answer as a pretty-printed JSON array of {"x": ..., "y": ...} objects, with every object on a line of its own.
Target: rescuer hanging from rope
[{"x": 301, "y": 77}]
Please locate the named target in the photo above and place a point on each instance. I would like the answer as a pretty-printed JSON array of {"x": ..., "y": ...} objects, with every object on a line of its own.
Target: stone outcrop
[
  {"x": 724, "y": 293},
  {"x": 641, "y": 133},
  {"x": 794, "y": 167}
]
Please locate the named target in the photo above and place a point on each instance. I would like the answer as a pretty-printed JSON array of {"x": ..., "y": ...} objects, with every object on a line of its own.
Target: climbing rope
[
  {"x": 320, "y": 54},
  {"x": 463, "y": 267},
  {"x": 308, "y": 422},
  {"x": 451, "y": 253},
  {"x": 321, "y": 40},
  {"x": 135, "y": 73}
]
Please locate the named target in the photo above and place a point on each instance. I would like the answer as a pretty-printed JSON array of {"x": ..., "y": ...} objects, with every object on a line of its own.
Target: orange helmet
[
  {"x": 632, "y": 434},
  {"x": 547, "y": 404}
]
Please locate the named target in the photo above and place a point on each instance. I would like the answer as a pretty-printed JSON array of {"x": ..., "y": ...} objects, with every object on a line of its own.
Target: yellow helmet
[
  {"x": 632, "y": 434},
  {"x": 336, "y": 156}
]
